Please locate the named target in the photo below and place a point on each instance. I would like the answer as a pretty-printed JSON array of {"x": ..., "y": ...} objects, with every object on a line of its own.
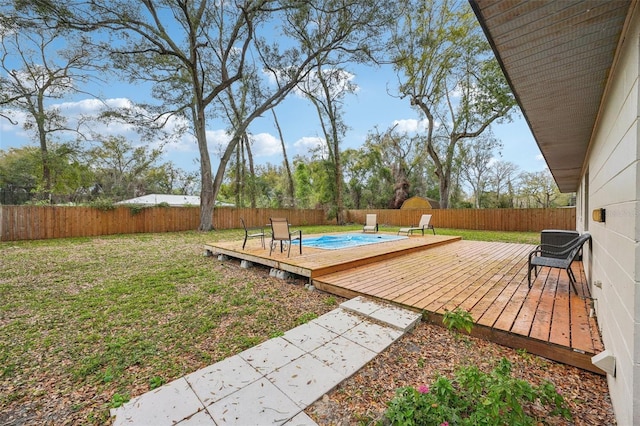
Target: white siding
[{"x": 614, "y": 184}]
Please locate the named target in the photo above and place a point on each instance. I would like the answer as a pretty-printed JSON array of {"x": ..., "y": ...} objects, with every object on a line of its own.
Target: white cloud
[
  {"x": 313, "y": 145},
  {"x": 217, "y": 141},
  {"x": 309, "y": 143},
  {"x": 411, "y": 125},
  {"x": 539, "y": 157},
  {"x": 73, "y": 110},
  {"x": 265, "y": 144}
]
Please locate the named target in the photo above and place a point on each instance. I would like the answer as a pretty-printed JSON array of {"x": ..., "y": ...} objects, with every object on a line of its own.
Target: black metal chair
[
  {"x": 254, "y": 232},
  {"x": 560, "y": 257}
]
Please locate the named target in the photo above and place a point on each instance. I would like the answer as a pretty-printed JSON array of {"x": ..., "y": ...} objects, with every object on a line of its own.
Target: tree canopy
[{"x": 234, "y": 62}]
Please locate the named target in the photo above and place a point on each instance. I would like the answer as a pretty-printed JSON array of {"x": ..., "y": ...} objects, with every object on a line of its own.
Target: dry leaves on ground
[{"x": 429, "y": 350}]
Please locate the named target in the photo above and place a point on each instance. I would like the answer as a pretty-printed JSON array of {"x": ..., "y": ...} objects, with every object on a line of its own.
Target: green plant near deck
[
  {"x": 476, "y": 398},
  {"x": 458, "y": 320}
]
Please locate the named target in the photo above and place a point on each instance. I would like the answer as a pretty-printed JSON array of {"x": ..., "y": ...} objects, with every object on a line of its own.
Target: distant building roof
[{"x": 172, "y": 200}]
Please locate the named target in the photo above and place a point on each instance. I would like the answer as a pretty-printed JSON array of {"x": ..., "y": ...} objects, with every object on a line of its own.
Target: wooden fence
[
  {"x": 44, "y": 222},
  {"x": 534, "y": 220}
]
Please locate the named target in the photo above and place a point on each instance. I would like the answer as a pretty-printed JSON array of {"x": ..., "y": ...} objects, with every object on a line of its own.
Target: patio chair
[
  {"x": 425, "y": 223},
  {"x": 371, "y": 224},
  {"x": 280, "y": 232},
  {"x": 560, "y": 257},
  {"x": 254, "y": 232}
]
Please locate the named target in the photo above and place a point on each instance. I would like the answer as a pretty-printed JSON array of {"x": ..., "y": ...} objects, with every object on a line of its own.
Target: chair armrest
[{"x": 532, "y": 253}]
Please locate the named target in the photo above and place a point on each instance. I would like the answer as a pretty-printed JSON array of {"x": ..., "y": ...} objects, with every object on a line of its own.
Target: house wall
[{"x": 611, "y": 181}]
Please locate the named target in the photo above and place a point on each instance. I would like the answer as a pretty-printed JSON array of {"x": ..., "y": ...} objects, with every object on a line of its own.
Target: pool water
[{"x": 334, "y": 242}]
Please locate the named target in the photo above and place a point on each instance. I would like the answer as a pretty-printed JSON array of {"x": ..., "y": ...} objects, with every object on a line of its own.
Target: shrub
[
  {"x": 475, "y": 398},
  {"x": 101, "y": 203},
  {"x": 458, "y": 320}
]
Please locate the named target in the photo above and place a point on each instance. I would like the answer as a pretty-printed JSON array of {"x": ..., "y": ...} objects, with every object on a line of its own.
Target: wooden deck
[{"x": 434, "y": 274}]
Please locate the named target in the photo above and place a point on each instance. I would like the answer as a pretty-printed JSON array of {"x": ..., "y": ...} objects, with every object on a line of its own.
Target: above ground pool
[{"x": 333, "y": 242}]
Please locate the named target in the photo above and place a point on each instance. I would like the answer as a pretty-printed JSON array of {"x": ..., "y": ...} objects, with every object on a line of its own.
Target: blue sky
[{"x": 371, "y": 106}]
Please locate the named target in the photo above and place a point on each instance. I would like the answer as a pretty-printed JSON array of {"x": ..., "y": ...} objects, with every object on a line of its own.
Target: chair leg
[
  {"x": 245, "y": 241},
  {"x": 572, "y": 279},
  {"x": 535, "y": 274}
]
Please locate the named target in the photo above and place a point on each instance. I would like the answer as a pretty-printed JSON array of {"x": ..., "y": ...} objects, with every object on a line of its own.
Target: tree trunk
[
  {"x": 44, "y": 151},
  {"x": 224, "y": 160},
  {"x": 239, "y": 187},
  {"x": 338, "y": 177},
  {"x": 252, "y": 173},
  {"x": 292, "y": 190},
  {"x": 207, "y": 195}
]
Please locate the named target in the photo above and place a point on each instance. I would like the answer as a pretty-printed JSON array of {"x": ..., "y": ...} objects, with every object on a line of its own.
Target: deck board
[{"x": 435, "y": 274}]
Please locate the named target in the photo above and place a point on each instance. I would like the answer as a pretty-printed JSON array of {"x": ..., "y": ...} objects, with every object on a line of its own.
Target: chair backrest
[
  {"x": 280, "y": 228},
  {"x": 243, "y": 224},
  {"x": 371, "y": 220},
  {"x": 424, "y": 220},
  {"x": 569, "y": 250}
]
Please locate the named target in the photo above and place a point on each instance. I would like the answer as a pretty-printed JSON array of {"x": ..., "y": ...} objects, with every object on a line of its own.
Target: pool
[{"x": 334, "y": 242}]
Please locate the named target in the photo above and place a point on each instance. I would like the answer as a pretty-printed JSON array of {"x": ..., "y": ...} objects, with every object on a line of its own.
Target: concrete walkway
[{"x": 274, "y": 382}]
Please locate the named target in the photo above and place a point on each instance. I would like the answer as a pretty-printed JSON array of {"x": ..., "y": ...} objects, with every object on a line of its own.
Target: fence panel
[
  {"x": 43, "y": 222},
  {"x": 533, "y": 220}
]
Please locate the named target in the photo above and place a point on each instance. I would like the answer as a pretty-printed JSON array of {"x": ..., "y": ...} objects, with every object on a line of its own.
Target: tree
[
  {"x": 503, "y": 175},
  {"x": 193, "y": 51},
  {"x": 122, "y": 170},
  {"x": 326, "y": 89},
  {"x": 475, "y": 160},
  {"x": 403, "y": 155},
  {"x": 40, "y": 65},
  {"x": 538, "y": 189},
  {"x": 21, "y": 170},
  {"x": 369, "y": 175},
  {"x": 303, "y": 184},
  {"x": 292, "y": 189},
  {"x": 446, "y": 69}
]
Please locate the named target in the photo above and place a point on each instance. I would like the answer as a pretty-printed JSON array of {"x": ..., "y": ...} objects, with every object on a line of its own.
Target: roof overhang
[{"x": 557, "y": 56}]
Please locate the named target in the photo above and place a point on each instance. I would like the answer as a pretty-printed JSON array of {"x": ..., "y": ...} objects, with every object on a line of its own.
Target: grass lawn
[{"x": 87, "y": 323}]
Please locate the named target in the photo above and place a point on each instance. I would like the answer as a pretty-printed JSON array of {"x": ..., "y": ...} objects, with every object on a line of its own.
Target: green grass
[{"x": 88, "y": 322}]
